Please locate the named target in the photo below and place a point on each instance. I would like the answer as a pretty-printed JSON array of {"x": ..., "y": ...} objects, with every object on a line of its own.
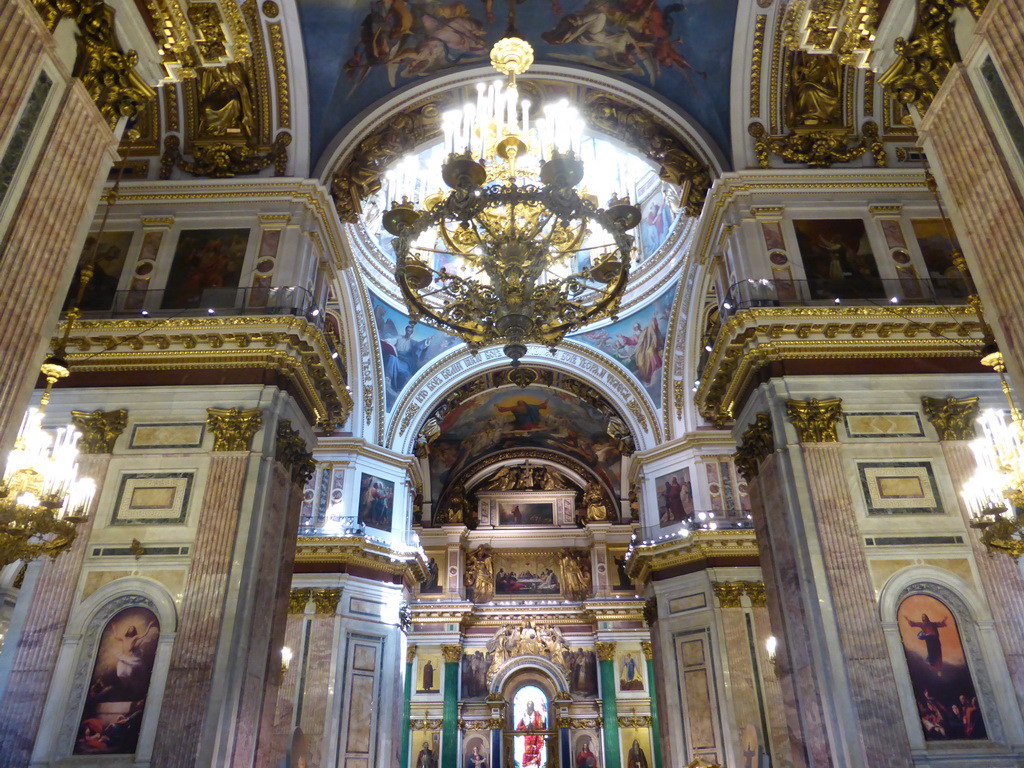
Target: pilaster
[
  {"x": 609, "y": 706},
  {"x": 449, "y": 727}
]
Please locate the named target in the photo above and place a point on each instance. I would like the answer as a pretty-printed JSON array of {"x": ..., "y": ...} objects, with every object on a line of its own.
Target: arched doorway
[{"x": 530, "y": 738}]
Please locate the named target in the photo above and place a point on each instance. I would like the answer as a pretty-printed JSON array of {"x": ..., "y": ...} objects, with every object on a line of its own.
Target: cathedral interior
[{"x": 551, "y": 384}]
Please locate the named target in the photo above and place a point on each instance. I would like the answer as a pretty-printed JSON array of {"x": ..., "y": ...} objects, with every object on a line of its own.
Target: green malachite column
[
  {"x": 653, "y": 692},
  {"x": 449, "y": 726},
  {"x": 410, "y": 654},
  {"x": 609, "y": 707}
]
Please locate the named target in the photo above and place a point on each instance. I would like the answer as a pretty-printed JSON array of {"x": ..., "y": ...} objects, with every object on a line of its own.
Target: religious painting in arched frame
[
  {"x": 119, "y": 686},
  {"x": 944, "y": 692},
  {"x": 531, "y": 718}
]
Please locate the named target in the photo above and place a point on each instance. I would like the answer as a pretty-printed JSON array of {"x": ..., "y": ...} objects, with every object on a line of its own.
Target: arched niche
[
  {"x": 968, "y": 615},
  {"x": 130, "y": 600},
  {"x": 448, "y": 373}
]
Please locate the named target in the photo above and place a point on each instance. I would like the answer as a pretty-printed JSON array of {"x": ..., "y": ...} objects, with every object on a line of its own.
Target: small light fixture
[
  {"x": 210, "y": 311},
  {"x": 286, "y": 661},
  {"x": 145, "y": 313},
  {"x": 894, "y": 300},
  {"x": 771, "y": 645}
]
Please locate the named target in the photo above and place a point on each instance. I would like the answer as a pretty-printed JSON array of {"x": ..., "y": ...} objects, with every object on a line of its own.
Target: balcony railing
[
  {"x": 751, "y": 293},
  {"x": 727, "y": 520},
  {"x": 261, "y": 300}
]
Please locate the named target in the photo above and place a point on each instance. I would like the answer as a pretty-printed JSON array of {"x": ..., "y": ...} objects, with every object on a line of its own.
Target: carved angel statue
[
  {"x": 576, "y": 579},
  {"x": 480, "y": 573},
  {"x": 552, "y": 480},
  {"x": 503, "y": 480},
  {"x": 457, "y": 509},
  {"x": 619, "y": 432}
]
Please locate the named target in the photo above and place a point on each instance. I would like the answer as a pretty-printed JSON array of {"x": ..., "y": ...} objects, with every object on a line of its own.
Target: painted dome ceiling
[{"x": 359, "y": 52}]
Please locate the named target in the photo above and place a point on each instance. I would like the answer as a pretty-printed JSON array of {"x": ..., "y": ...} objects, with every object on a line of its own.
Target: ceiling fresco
[
  {"x": 637, "y": 342},
  {"x": 357, "y": 51},
  {"x": 405, "y": 347},
  {"x": 530, "y": 417}
]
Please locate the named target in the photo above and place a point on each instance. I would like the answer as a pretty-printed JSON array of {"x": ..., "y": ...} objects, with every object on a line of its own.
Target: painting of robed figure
[
  {"x": 947, "y": 703},
  {"x": 121, "y": 673}
]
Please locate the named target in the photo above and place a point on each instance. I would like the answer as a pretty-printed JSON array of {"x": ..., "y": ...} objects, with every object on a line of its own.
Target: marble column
[
  {"x": 42, "y": 241},
  {"x": 22, "y": 38},
  {"x": 52, "y": 600},
  {"x": 609, "y": 706},
  {"x": 450, "y": 723},
  {"x": 410, "y": 657},
  {"x": 983, "y": 194},
  {"x": 653, "y": 693}
]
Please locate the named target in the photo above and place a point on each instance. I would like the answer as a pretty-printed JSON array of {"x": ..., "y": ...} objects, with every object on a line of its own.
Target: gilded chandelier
[
  {"x": 994, "y": 494},
  {"x": 515, "y": 252},
  {"x": 42, "y": 499}
]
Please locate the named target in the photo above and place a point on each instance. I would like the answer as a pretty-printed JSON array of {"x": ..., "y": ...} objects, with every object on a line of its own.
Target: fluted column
[
  {"x": 42, "y": 240},
  {"x": 22, "y": 37},
  {"x": 38, "y": 648},
  {"x": 202, "y": 609}
]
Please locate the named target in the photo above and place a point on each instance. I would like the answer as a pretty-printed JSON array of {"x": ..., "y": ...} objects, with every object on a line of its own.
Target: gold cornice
[
  {"x": 288, "y": 344},
  {"x": 754, "y": 337},
  {"x": 699, "y": 547},
  {"x": 354, "y": 550}
]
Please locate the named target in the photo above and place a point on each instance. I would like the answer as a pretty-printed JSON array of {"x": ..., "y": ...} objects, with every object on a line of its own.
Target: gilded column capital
[
  {"x": 326, "y": 601},
  {"x": 953, "y": 419},
  {"x": 647, "y": 648},
  {"x": 605, "y": 650},
  {"x": 756, "y": 445},
  {"x": 297, "y": 600},
  {"x": 755, "y": 591},
  {"x": 728, "y": 593},
  {"x": 410, "y": 654},
  {"x": 233, "y": 428},
  {"x": 100, "y": 429},
  {"x": 291, "y": 452},
  {"x": 451, "y": 653},
  {"x": 815, "y": 420},
  {"x": 651, "y": 611}
]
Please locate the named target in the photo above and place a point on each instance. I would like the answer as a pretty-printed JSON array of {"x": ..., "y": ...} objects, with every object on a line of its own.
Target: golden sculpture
[
  {"x": 457, "y": 509},
  {"x": 953, "y": 419},
  {"x": 100, "y": 429},
  {"x": 594, "y": 504},
  {"x": 576, "y": 579},
  {"x": 480, "y": 573},
  {"x": 225, "y": 102},
  {"x": 814, "y": 96},
  {"x": 224, "y": 159},
  {"x": 292, "y": 453},
  {"x": 815, "y": 420},
  {"x": 527, "y": 639},
  {"x": 817, "y": 148}
]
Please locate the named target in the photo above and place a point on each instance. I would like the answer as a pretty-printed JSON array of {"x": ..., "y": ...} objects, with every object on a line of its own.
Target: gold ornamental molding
[
  {"x": 357, "y": 551},
  {"x": 647, "y": 648},
  {"x": 100, "y": 429},
  {"x": 756, "y": 445},
  {"x": 843, "y": 27},
  {"x": 818, "y": 148},
  {"x": 410, "y": 653},
  {"x": 815, "y": 420},
  {"x": 953, "y": 419},
  {"x": 756, "y": 337},
  {"x": 288, "y": 345},
  {"x": 755, "y": 591},
  {"x": 426, "y": 724},
  {"x": 578, "y": 722},
  {"x": 700, "y": 549},
  {"x": 635, "y": 721},
  {"x": 223, "y": 160},
  {"x": 194, "y": 34},
  {"x": 924, "y": 60},
  {"x": 107, "y": 72}
]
